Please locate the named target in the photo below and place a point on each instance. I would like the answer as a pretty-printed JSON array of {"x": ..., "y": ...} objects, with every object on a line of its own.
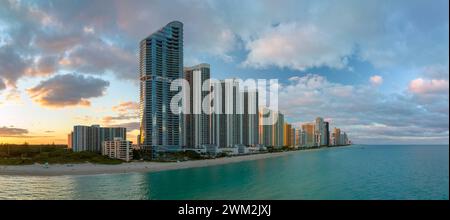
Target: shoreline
[{"x": 131, "y": 167}]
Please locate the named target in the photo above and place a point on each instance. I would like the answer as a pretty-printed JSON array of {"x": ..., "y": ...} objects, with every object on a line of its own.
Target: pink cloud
[
  {"x": 428, "y": 86},
  {"x": 376, "y": 80}
]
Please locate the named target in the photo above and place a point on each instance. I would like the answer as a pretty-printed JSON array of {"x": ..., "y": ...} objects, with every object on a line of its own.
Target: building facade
[
  {"x": 287, "y": 134},
  {"x": 197, "y": 122},
  {"x": 272, "y": 133},
  {"x": 336, "y": 136},
  {"x": 309, "y": 139},
  {"x": 160, "y": 62},
  {"x": 327, "y": 133},
  {"x": 250, "y": 126},
  {"x": 227, "y": 117},
  {"x": 320, "y": 132},
  {"x": 118, "y": 148},
  {"x": 69, "y": 140},
  {"x": 90, "y": 138}
]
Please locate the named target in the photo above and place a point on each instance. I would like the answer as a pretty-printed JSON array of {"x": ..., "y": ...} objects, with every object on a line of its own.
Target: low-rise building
[
  {"x": 229, "y": 150},
  {"x": 118, "y": 148},
  {"x": 242, "y": 149}
]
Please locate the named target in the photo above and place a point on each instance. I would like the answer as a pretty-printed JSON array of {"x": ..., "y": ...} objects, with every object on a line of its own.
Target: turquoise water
[{"x": 356, "y": 172}]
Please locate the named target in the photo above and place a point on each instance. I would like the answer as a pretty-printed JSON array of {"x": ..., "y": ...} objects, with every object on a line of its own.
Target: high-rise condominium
[
  {"x": 91, "y": 138},
  {"x": 272, "y": 133},
  {"x": 228, "y": 113},
  {"x": 161, "y": 62},
  {"x": 250, "y": 125},
  {"x": 309, "y": 137},
  {"x": 287, "y": 135},
  {"x": 336, "y": 136},
  {"x": 327, "y": 133},
  {"x": 235, "y": 118},
  {"x": 319, "y": 132},
  {"x": 197, "y": 121}
]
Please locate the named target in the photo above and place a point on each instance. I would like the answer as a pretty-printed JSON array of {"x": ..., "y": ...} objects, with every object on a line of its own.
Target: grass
[{"x": 52, "y": 154}]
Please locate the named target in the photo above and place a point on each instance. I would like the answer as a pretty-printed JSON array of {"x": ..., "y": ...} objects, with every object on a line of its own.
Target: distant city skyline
[{"x": 379, "y": 72}]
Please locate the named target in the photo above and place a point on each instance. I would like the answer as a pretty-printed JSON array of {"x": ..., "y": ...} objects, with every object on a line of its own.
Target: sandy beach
[{"x": 138, "y": 167}]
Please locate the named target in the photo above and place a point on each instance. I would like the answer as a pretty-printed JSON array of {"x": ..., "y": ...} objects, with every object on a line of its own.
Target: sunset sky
[{"x": 377, "y": 69}]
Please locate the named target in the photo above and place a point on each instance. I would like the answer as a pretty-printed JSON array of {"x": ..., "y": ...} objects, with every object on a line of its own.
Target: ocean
[{"x": 354, "y": 172}]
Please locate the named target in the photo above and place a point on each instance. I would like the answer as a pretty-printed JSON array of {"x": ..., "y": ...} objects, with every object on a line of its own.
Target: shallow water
[{"x": 356, "y": 172}]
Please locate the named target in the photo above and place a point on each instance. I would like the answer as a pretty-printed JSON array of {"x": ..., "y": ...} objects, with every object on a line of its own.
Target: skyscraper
[
  {"x": 327, "y": 134},
  {"x": 287, "y": 133},
  {"x": 309, "y": 140},
  {"x": 336, "y": 136},
  {"x": 197, "y": 122},
  {"x": 250, "y": 125},
  {"x": 319, "y": 132},
  {"x": 90, "y": 138},
  {"x": 293, "y": 140},
  {"x": 298, "y": 138},
  {"x": 273, "y": 133},
  {"x": 227, "y": 118},
  {"x": 161, "y": 62}
]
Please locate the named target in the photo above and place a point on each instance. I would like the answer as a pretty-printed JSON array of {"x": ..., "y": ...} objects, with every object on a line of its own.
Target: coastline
[{"x": 132, "y": 167}]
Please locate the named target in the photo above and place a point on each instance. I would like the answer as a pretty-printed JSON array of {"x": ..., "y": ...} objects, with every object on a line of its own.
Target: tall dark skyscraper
[
  {"x": 327, "y": 133},
  {"x": 250, "y": 125},
  {"x": 197, "y": 122},
  {"x": 161, "y": 62}
]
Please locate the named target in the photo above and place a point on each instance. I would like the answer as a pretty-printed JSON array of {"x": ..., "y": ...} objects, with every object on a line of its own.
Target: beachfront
[{"x": 139, "y": 167}]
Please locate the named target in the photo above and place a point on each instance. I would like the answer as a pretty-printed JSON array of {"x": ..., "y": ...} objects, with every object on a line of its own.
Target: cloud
[
  {"x": 130, "y": 126},
  {"x": 2, "y": 85},
  {"x": 12, "y": 132},
  {"x": 125, "y": 107},
  {"x": 376, "y": 80},
  {"x": 125, "y": 111},
  {"x": 43, "y": 66},
  {"x": 425, "y": 86},
  {"x": 12, "y": 65},
  {"x": 112, "y": 119},
  {"x": 58, "y": 43},
  {"x": 438, "y": 71},
  {"x": 367, "y": 115},
  {"x": 304, "y": 34},
  {"x": 68, "y": 90},
  {"x": 46, "y": 38},
  {"x": 294, "y": 34},
  {"x": 98, "y": 57},
  {"x": 296, "y": 47}
]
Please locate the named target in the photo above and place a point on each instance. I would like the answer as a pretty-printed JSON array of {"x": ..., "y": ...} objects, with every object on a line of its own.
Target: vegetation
[
  {"x": 179, "y": 156},
  {"x": 11, "y": 154}
]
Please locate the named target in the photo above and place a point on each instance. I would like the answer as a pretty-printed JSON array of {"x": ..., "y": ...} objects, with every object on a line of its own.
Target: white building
[
  {"x": 118, "y": 148},
  {"x": 231, "y": 151}
]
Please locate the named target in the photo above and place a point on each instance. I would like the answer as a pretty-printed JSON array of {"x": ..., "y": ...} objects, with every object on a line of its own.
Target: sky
[{"x": 379, "y": 70}]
